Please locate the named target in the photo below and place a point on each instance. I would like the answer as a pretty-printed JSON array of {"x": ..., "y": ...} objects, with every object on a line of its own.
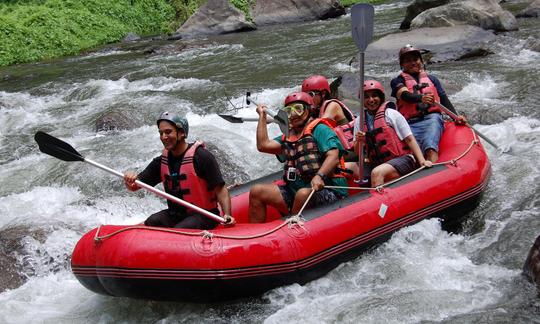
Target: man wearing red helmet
[
  {"x": 312, "y": 152},
  {"x": 416, "y": 91},
  {"x": 337, "y": 112},
  {"x": 391, "y": 147}
]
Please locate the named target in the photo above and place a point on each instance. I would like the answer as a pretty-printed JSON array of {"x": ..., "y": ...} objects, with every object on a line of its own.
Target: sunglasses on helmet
[{"x": 296, "y": 108}]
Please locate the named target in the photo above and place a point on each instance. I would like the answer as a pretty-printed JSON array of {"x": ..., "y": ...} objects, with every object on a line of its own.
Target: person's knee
[
  {"x": 377, "y": 174},
  {"x": 302, "y": 194},
  {"x": 256, "y": 192}
]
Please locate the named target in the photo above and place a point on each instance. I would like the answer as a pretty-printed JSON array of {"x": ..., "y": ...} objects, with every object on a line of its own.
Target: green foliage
[
  {"x": 184, "y": 9},
  {"x": 243, "y": 5},
  {"x": 38, "y": 29}
]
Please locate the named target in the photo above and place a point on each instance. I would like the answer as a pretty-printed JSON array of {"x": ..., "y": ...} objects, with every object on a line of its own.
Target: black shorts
[
  {"x": 320, "y": 198},
  {"x": 404, "y": 164},
  {"x": 165, "y": 218}
]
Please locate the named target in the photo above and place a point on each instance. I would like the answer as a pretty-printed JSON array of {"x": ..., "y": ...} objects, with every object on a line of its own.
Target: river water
[{"x": 422, "y": 274}]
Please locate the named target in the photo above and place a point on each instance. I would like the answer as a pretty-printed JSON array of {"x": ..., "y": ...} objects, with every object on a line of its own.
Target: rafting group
[{"x": 318, "y": 149}]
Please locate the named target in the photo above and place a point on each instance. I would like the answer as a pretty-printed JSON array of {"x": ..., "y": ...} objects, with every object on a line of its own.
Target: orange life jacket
[
  {"x": 186, "y": 184},
  {"x": 301, "y": 152}
]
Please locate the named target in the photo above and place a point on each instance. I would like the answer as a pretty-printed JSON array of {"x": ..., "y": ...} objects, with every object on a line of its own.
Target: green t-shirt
[{"x": 326, "y": 140}]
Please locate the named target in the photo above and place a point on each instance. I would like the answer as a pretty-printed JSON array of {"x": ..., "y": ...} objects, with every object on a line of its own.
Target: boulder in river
[
  {"x": 531, "y": 269},
  {"x": 214, "y": 18},
  {"x": 286, "y": 11},
  {"x": 443, "y": 43},
  {"x": 487, "y": 14},
  {"x": 114, "y": 121},
  {"x": 417, "y": 7},
  {"x": 533, "y": 10}
]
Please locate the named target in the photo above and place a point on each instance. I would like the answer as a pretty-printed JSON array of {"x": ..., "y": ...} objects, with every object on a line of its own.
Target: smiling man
[
  {"x": 312, "y": 153},
  {"x": 188, "y": 171},
  {"x": 416, "y": 92}
]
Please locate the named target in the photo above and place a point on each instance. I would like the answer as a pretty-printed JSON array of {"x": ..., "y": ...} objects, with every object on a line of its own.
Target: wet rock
[
  {"x": 443, "y": 43},
  {"x": 12, "y": 272},
  {"x": 114, "y": 121},
  {"x": 533, "y": 10},
  {"x": 11, "y": 277},
  {"x": 417, "y": 7},
  {"x": 285, "y": 11},
  {"x": 131, "y": 37},
  {"x": 531, "y": 269},
  {"x": 232, "y": 172},
  {"x": 214, "y": 18},
  {"x": 487, "y": 14}
]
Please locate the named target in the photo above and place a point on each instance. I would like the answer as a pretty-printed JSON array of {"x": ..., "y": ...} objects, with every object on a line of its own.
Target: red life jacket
[
  {"x": 186, "y": 184},
  {"x": 301, "y": 152},
  {"x": 344, "y": 132},
  {"x": 414, "y": 110},
  {"x": 383, "y": 143}
]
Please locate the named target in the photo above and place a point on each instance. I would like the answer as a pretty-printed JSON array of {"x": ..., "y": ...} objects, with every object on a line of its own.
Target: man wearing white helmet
[{"x": 188, "y": 171}]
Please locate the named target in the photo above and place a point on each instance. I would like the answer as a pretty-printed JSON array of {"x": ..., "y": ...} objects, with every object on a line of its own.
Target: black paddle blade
[
  {"x": 283, "y": 121},
  {"x": 248, "y": 98},
  {"x": 231, "y": 119},
  {"x": 53, "y": 146}
]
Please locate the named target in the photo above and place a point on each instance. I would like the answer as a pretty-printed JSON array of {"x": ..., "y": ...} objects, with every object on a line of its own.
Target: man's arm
[
  {"x": 264, "y": 143},
  {"x": 224, "y": 200}
]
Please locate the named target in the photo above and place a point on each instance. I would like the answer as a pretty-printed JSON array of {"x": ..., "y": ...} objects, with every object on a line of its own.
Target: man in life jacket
[
  {"x": 391, "y": 147},
  {"x": 339, "y": 115},
  {"x": 312, "y": 152},
  {"x": 188, "y": 171},
  {"x": 416, "y": 91}
]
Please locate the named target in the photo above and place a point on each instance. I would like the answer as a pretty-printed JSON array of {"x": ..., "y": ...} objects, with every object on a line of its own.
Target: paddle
[
  {"x": 280, "y": 118},
  {"x": 362, "y": 33},
  {"x": 455, "y": 117},
  {"x": 59, "y": 149}
]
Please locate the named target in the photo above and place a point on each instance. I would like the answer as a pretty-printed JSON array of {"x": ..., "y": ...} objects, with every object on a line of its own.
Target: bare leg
[
  {"x": 383, "y": 173},
  {"x": 299, "y": 199},
  {"x": 353, "y": 166},
  {"x": 432, "y": 155},
  {"x": 262, "y": 195}
]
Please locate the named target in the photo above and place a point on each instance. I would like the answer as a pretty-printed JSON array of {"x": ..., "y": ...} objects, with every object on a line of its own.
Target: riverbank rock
[
  {"x": 417, "y": 7},
  {"x": 533, "y": 10},
  {"x": 531, "y": 269},
  {"x": 285, "y": 11},
  {"x": 214, "y": 18},
  {"x": 487, "y": 14},
  {"x": 443, "y": 43}
]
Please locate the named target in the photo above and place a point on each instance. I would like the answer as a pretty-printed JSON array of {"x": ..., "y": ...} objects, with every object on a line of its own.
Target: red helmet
[
  {"x": 299, "y": 96},
  {"x": 408, "y": 49},
  {"x": 374, "y": 85},
  {"x": 315, "y": 83}
]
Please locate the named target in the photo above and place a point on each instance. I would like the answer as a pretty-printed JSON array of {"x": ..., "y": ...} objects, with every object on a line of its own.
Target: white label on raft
[{"x": 382, "y": 210}]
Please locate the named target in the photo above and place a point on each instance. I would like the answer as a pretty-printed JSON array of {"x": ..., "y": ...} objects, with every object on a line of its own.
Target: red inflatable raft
[{"x": 249, "y": 259}]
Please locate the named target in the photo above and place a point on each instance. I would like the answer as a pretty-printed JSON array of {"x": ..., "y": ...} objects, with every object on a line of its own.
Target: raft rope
[{"x": 292, "y": 221}]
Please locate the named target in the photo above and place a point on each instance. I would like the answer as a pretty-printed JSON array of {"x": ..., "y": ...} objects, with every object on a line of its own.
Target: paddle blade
[
  {"x": 53, "y": 146},
  {"x": 231, "y": 119},
  {"x": 362, "y": 24}
]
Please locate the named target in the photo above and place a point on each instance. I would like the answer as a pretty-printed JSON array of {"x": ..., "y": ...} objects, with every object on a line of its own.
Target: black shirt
[{"x": 204, "y": 162}]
